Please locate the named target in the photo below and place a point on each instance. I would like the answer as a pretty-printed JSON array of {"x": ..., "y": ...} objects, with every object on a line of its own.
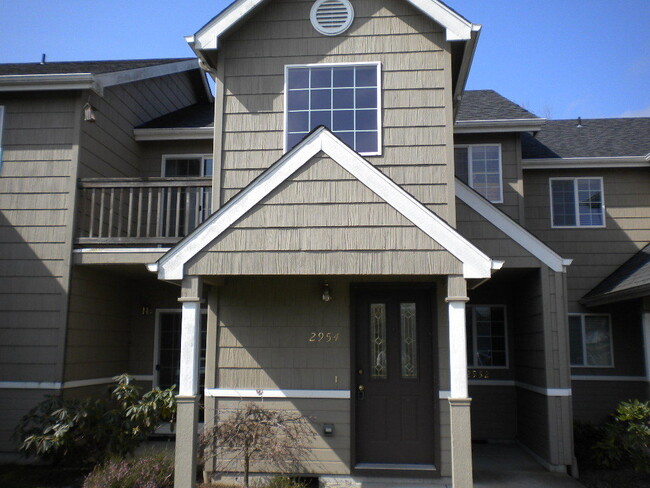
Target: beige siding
[
  {"x": 595, "y": 401},
  {"x": 415, "y": 92},
  {"x": 494, "y": 412},
  {"x": 107, "y": 145},
  {"x": 322, "y": 221},
  {"x": 152, "y": 153}
]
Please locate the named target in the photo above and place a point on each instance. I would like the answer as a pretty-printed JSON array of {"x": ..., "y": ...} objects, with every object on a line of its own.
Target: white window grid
[
  {"x": 583, "y": 343},
  {"x": 377, "y": 64},
  {"x": 474, "y": 345},
  {"x": 203, "y": 157},
  {"x": 470, "y": 166},
  {"x": 576, "y": 199}
]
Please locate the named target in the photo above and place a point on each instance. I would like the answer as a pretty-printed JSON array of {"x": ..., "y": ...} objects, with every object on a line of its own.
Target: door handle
[{"x": 361, "y": 392}]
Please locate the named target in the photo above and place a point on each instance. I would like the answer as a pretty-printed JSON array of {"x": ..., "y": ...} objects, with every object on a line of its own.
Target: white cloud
[{"x": 644, "y": 112}]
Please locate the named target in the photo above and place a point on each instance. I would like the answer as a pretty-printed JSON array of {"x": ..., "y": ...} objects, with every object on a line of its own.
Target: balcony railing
[{"x": 141, "y": 210}]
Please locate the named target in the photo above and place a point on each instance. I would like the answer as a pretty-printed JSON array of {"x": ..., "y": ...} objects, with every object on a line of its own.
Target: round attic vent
[{"x": 332, "y": 17}]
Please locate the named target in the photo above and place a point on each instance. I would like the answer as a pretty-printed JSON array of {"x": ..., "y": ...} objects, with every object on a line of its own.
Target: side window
[
  {"x": 486, "y": 336},
  {"x": 590, "y": 338},
  {"x": 2, "y": 118},
  {"x": 577, "y": 202},
  {"x": 479, "y": 166},
  {"x": 344, "y": 98},
  {"x": 186, "y": 166}
]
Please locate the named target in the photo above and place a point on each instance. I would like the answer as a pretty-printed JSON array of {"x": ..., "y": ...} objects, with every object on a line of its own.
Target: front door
[{"x": 394, "y": 413}]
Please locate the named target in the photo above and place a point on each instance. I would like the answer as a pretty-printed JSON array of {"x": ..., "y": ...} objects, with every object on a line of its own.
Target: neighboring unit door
[{"x": 395, "y": 404}]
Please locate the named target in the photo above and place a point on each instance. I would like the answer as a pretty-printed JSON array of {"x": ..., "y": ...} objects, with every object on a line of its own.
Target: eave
[
  {"x": 174, "y": 134},
  {"x": 498, "y": 125},
  {"x": 587, "y": 162},
  {"x": 617, "y": 296},
  {"x": 41, "y": 82}
]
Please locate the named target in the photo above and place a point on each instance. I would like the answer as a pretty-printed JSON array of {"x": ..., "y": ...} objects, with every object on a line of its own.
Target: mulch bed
[
  {"x": 614, "y": 479},
  {"x": 20, "y": 476}
]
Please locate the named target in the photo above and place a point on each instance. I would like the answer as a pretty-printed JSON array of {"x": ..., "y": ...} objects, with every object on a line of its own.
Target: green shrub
[
  {"x": 585, "y": 436},
  {"x": 626, "y": 438},
  {"x": 153, "y": 471},
  {"x": 88, "y": 431}
]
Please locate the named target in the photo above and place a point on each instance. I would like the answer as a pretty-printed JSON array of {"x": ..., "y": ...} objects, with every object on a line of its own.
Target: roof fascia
[
  {"x": 618, "y": 296},
  {"x": 456, "y": 27},
  {"x": 498, "y": 125},
  {"x": 57, "y": 81},
  {"x": 511, "y": 228},
  {"x": 587, "y": 162},
  {"x": 475, "y": 263},
  {"x": 174, "y": 134},
  {"x": 465, "y": 65}
]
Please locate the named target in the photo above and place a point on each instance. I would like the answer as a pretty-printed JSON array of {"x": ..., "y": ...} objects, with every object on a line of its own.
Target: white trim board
[
  {"x": 475, "y": 263},
  {"x": 587, "y": 162},
  {"x": 57, "y": 385},
  {"x": 511, "y": 228},
  {"x": 276, "y": 393},
  {"x": 498, "y": 125},
  {"x": 456, "y": 27},
  {"x": 174, "y": 134},
  {"x": 581, "y": 377}
]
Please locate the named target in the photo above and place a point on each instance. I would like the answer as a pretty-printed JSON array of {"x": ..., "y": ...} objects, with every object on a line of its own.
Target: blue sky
[{"x": 557, "y": 58}]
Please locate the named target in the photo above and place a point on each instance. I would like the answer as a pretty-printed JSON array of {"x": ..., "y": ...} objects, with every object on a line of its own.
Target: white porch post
[
  {"x": 459, "y": 403},
  {"x": 187, "y": 399},
  {"x": 646, "y": 342}
]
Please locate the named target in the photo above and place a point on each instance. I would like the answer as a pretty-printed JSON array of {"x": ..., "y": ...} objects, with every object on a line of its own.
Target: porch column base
[
  {"x": 461, "y": 442},
  {"x": 187, "y": 416}
]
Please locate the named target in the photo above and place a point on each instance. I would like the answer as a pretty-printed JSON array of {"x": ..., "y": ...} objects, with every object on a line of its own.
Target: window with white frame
[
  {"x": 479, "y": 166},
  {"x": 487, "y": 344},
  {"x": 577, "y": 202},
  {"x": 590, "y": 338},
  {"x": 345, "y": 98},
  {"x": 186, "y": 165}
]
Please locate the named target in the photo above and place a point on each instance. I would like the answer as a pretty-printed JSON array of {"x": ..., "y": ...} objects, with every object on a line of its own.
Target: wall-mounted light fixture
[
  {"x": 325, "y": 293},
  {"x": 89, "y": 112},
  {"x": 147, "y": 310}
]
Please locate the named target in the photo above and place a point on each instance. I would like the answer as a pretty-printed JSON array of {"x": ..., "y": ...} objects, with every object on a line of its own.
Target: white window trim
[
  {"x": 165, "y": 157},
  {"x": 584, "y": 344},
  {"x": 156, "y": 341},
  {"x": 2, "y": 118},
  {"x": 474, "y": 339},
  {"x": 470, "y": 168},
  {"x": 577, "y": 203},
  {"x": 377, "y": 64}
]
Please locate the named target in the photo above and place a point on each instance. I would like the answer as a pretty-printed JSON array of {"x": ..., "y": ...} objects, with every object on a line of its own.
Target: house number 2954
[{"x": 324, "y": 337}]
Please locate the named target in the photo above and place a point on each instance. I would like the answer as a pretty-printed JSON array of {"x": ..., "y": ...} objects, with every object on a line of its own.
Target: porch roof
[
  {"x": 630, "y": 280},
  {"x": 475, "y": 264}
]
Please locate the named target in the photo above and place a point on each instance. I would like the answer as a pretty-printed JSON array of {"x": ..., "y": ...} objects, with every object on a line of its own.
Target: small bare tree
[{"x": 257, "y": 434}]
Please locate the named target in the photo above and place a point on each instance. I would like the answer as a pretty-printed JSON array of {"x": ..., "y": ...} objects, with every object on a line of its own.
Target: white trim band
[
  {"x": 57, "y": 385},
  {"x": 581, "y": 377},
  {"x": 276, "y": 393}
]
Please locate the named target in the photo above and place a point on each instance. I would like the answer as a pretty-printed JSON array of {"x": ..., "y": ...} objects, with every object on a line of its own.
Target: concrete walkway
[{"x": 508, "y": 466}]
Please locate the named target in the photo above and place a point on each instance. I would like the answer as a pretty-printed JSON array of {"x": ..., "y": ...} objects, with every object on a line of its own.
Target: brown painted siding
[
  {"x": 594, "y": 401},
  {"x": 323, "y": 222},
  {"x": 108, "y": 148},
  {"x": 494, "y": 412},
  {"x": 416, "y": 115},
  {"x": 152, "y": 153}
]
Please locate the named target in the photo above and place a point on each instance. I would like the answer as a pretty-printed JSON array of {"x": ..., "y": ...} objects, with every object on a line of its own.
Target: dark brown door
[{"x": 394, "y": 378}]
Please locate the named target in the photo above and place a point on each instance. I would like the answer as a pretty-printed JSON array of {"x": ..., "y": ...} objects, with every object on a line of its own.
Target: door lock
[{"x": 361, "y": 392}]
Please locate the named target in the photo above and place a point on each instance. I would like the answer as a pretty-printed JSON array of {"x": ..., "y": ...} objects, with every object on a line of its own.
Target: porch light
[
  {"x": 89, "y": 113},
  {"x": 325, "y": 293}
]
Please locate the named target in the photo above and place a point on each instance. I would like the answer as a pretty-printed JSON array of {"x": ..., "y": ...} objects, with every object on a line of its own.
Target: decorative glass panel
[
  {"x": 408, "y": 340},
  {"x": 378, "y": 362}
]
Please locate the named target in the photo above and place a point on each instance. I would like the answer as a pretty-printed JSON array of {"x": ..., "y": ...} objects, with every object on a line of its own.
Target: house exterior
[{"x": 343, "y": 231}]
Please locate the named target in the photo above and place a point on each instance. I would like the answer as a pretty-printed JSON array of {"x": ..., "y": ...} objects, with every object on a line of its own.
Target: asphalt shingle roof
[
  {"x": 632, "y": 274},
  {"x": 595, "y": 138},
  {"x": 197, "y": 115},
  {"x": 489, "y": 105},
  {"x": 94, "y": 67}
]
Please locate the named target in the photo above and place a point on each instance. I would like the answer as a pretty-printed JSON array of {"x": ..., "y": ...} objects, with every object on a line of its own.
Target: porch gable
[{"x": 426, "y": 231}]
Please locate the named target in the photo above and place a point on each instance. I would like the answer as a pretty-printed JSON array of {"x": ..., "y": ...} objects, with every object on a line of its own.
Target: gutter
[
  {"x": 617, "y": 296},
  {"x": 463, "y": 72},
  {"x": 57, "y": 81},
  {"x": 498, "y": 125},
  {"x": 174, "y": 134},
  {"x": 587, "y": 162}
]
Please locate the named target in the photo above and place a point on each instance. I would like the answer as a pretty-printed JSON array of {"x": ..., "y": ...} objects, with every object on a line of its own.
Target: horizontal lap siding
[
  {"x": 153, "y": 152},
  {"x": 595, "y": 401},
  {"x": 108, "y": 148},
  {"x": 323, "y": 221},
  {"x": 494, "y": 412},
  {"x": 35, "y": 206},
  {"x": 413, "y": 54},
  {"x": 596, "y": 253}
]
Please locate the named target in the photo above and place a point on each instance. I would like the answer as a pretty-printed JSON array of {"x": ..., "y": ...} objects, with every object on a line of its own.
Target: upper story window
[
  {"x": 486, "y": 336},
  {"x": 590, "y": 337},
  {"x": 479, "y": 166},
  {"x": 577, "y": 202},
  {"x": 345, "y": 98},
  {"x": 187, "y": 165}
]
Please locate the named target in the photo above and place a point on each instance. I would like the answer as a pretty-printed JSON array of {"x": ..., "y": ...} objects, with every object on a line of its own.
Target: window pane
[
  {"x": 461, "y": 161},
  {"x": 321, "y": 99},
  {"x": 590, "y": 202},
  {"x": 321, "y": 77},
  {"x": 366, "y": 120},
  {"x": 408, "y": 340},
  {"x": 485, "y": 171},
  {"x": 563, "y": 200},
  {"x": 298, "y": 78},
  {"x": 347, "y": 138},
  {"x": 575, "y": 340},
  {"x": 367, "y": 142},
  {"x": 298, "y": 100},
  {"x": 298, "y": 121},
  {"x": 207, "y": 167},
  {"x": 293, "y": 139},
  {"x": 490, "y": 328},
  {"x": 598, "y": 341},
  {"x": 344, "y": 77},
  {"x": 321, "y": 118},
  {"x": 344, "y": 98},
  {"x": 470, "y": 336},
  {"x": 367, "y": 76},
  {"x": 366, "y": 97},
  {"x": 343, "y": 120},
  {"x": 378, "y": 363}
]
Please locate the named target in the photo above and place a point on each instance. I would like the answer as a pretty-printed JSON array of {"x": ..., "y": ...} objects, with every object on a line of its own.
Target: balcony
[{"x": 141, "y": 211}]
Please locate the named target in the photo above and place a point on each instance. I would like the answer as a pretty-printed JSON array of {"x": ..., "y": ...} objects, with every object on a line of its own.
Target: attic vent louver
[{"x": 332, "y": 17}]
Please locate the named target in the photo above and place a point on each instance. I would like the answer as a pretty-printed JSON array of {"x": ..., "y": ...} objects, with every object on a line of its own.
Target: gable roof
[
  {"x": 630, "y": 280},
  {"x": 591, "y": 138},
  {"x": 475, "y": 263},
  {"x": 94, "y": 75}
]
